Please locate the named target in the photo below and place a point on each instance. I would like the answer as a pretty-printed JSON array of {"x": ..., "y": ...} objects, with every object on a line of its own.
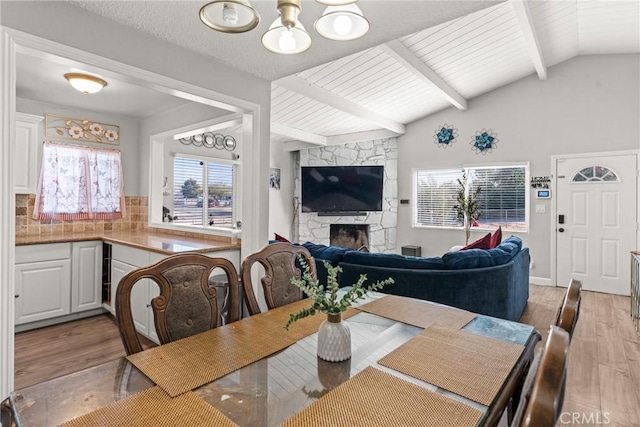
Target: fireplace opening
[{"x": 352, "y": 236}]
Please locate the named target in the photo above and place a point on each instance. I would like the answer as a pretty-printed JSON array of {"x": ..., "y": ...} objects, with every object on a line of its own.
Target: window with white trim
[
  {"x": 203, "y": 192},
  {"x": 503, "y": 197}
]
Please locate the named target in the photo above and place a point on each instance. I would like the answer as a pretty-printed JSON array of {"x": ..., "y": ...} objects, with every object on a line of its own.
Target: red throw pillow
[
  {"x": 482, "y": 243},
  {"x": 496, "y": 238},
  {"x": 279, "y": 238}
]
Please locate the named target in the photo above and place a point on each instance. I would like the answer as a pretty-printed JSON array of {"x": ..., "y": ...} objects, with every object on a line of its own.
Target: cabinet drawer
[
  {"x": 37, "y": 253},
  {"x": 130, "y": 255}
]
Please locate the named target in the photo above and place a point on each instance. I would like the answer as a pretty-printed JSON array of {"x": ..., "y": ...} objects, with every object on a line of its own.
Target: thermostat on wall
[{"x": 543, "y": 194}]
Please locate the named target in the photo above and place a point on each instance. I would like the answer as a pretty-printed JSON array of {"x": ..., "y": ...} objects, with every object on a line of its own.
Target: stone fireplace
[
  {"x": 353, "y": 236},
  {"x": 381, "y": 226}
]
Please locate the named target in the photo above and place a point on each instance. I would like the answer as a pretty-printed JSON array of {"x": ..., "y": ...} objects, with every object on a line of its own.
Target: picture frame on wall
[
  {"x": 274, "y": 178},
  {"x": 82, "y": 130}
]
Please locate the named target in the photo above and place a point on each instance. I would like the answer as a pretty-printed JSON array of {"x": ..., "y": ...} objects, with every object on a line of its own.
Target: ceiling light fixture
[
  {"x": 85, "y": 83},
  {"x": 230, "y": 16},
  {"x": 287, "y": 35},
  {"x": 344, "y": 22}
]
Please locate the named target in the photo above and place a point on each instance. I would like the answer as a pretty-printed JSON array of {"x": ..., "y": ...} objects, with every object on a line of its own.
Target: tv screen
[{"x": 327, "y": 189}]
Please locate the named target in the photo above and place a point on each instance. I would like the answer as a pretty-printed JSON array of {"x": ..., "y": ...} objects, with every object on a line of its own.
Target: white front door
[{"x": 596, "y": 221}]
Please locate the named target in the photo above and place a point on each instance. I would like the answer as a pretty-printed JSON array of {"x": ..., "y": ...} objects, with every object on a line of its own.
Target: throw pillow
[
  {"x": 483, "y": 243},
  {"x": 279, "y": 238},
  {"x": 496, "y": 238}
]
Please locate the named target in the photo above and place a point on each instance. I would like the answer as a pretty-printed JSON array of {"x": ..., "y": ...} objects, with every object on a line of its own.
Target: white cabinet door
[
  {"x": 25, "y": 170},
  {"x": 42, "y": 290},
  {"x": 86, "y": 280}
]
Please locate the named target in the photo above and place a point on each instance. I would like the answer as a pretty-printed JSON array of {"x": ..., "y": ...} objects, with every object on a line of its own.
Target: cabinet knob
[
  {"x": 16, "y": 296},
  {"x": 148, "y": 305}
]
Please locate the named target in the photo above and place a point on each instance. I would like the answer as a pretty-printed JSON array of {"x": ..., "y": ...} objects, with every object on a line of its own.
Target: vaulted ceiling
[
  {"x": 447, "y": 53},
  {"x": 375, "y": 92}
]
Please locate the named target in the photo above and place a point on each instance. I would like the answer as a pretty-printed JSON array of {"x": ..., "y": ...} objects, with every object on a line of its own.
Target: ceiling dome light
[
  {"x": 230, "y": 16},
  {"x": 85, "y": 83},
  {"x": 286, "y": 41},
  {"x": 342, "y": 23}
]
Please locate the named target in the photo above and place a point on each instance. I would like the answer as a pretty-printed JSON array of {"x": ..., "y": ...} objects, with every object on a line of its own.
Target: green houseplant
[
  {"x": 467, "y": 207},
  {"x": 334, "y": 338}
]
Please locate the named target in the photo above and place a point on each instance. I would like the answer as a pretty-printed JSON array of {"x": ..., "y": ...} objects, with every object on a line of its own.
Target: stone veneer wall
[
  {"x": 382, "y": 225},
  {"x": 136, "y": 219}
]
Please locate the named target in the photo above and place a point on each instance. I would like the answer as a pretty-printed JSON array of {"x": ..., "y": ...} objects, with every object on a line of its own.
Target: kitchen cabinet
[
  {"x": 55, "y": 280},
  {"x": 126, "y": 259},
  {"x": 42, "y": 282},
  {"x": 86, "y": 279},
  {"x": 25, "y": 170}
]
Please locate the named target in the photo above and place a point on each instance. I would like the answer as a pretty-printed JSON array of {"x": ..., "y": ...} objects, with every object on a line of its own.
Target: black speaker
[{"x": 412, "y": 250}]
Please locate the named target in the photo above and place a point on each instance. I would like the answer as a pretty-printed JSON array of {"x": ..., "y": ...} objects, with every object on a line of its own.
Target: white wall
[
  {"x": 281, "y": 201},
  {"x": 129, "y": 139},
  {"x": 588, "y": 104}
]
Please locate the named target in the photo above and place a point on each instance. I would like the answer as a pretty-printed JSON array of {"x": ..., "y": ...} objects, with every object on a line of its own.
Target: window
[
  {"x": 79, "y": 183},
  {"x": 595, "y": 173},
  {"x": 203, "y": 192},
  {"x": 503, "y": 196}
]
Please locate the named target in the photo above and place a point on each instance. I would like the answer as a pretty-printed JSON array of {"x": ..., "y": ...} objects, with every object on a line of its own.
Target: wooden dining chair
[
  {"x": 567, "y": 316},
  {"x": 279, "y": 262},
  {"x": 543, "y": 392},
  {"x": 187, "y": 304}
]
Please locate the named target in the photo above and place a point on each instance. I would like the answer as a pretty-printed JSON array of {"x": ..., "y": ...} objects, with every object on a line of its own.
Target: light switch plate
[{"x": 541, "y": 208}]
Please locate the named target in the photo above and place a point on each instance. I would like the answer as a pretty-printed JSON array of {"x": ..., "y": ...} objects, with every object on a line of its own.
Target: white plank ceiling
[{"x": 379, "y": 90}]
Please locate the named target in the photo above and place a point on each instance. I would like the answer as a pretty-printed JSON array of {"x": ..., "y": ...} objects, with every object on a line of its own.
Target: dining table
[{"x": 413, "y": 362}]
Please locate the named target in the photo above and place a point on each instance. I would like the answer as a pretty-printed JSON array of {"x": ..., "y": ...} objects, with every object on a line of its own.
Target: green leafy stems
[{"x": 325, "y": 299}]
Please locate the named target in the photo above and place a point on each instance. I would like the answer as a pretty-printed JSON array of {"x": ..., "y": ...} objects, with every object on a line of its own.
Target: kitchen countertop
[{"x": 151, "y": 240}]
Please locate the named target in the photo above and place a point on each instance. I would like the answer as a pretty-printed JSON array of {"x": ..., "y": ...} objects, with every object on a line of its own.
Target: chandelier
[{"x": 341, "y": 20}]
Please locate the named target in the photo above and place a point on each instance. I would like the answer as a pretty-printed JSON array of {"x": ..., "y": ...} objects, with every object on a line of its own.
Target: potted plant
[
  {"x": 466, "y": 207},
  {"x": 334, "y": 338}
]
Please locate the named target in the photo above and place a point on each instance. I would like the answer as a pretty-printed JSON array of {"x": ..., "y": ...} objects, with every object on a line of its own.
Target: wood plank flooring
[{"x": 603, "y": 384}]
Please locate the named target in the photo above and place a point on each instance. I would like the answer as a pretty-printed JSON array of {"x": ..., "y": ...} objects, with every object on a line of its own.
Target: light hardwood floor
[{"x": 603, "y": 381}]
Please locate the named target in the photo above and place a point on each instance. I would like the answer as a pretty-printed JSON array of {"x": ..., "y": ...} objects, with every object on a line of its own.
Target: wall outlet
[{"x": 541, "y": 208}]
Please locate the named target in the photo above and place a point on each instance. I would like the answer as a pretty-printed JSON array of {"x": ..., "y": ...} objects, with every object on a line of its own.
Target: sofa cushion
[
  {"x": 393, "y": 261},
  {"x": 482, "y": 243},
  {"x": 479, "y": 258},
  {"x": 333, "y": 254}
]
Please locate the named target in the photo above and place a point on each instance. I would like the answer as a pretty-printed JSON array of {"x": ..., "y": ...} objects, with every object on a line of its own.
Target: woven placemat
[
  {"x": 376, "y": 398},
  {"x": 187, "y": 364},
  {"x": 154, "y": 408},
  {"x": 416, "y": 312},
  {"x": 467, "y": 364}
]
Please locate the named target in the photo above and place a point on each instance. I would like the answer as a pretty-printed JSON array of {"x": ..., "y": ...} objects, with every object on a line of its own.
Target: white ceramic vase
[{"x": 334, "y": 339}]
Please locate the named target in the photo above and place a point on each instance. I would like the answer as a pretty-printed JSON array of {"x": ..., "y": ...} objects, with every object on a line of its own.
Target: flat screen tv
[{"x": 342, "y": 189}]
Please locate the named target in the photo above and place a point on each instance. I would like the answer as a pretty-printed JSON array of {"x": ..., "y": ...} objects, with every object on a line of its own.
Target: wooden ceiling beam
[
  {"x": 398, "y": 51},
  {"x": 532, "y": 43}
]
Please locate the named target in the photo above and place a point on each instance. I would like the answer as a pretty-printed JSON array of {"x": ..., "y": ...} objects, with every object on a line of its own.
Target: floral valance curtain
[{"x": 79, "y": 183}]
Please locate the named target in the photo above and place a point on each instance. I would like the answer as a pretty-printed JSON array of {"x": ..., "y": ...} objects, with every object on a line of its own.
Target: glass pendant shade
[
  {"x": 230, "y": 16},
  {"x": 279, "y": 39},
  {"x": 85, "y": 83},
  {"x": 336, "y": 2},
  {"x": 342, "y": 23}
]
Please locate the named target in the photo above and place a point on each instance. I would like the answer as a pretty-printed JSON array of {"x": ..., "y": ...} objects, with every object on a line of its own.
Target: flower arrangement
[{"x": 325, "y": 299}]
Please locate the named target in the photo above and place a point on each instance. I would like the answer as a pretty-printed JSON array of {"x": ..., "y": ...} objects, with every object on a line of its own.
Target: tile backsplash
[{"x": 136, "y": 219}]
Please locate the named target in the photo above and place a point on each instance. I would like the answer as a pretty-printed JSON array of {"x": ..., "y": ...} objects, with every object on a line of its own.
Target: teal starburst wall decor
[
  {"x": 484, "y": 141},
  {"x": 445, "y": 135}
]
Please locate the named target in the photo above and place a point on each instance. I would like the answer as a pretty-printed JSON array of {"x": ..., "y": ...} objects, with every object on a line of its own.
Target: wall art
[
  {"x": 81, "y": 130},
  {"x": 274, "y": 178},
  {"x": 445, "y": 135},
  {"x": 211, "y": 140},
  {"x": 484, "y": 141}
]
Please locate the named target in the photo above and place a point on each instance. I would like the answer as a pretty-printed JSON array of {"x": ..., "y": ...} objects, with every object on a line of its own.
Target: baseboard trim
[
  {"x": 57, "y": 320},
  {"x": 544, "y": 281}
]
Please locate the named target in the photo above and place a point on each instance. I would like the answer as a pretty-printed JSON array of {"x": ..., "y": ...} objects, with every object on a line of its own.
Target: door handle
[{"x": 561, "y": 230}]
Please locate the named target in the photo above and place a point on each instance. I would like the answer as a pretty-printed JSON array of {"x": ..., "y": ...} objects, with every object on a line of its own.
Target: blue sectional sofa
[{"x": 494, "y": 282}]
